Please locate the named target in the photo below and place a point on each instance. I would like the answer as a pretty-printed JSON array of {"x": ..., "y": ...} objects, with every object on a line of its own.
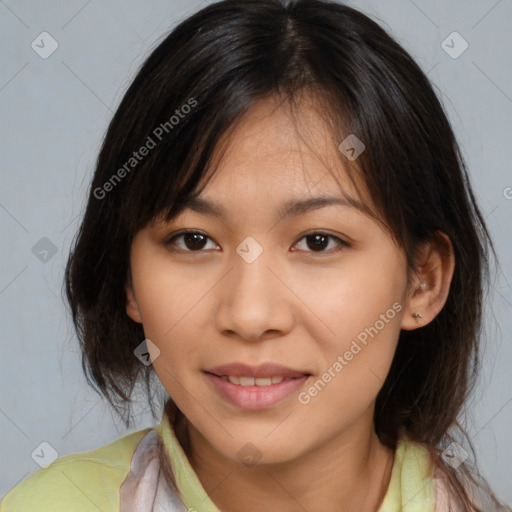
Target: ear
[
  {"x": 430, "y": 285},
  {"x": 132, "y": 307}
]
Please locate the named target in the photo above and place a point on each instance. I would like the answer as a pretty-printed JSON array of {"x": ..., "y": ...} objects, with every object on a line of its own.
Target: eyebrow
[{"x": 289, "y": 208}]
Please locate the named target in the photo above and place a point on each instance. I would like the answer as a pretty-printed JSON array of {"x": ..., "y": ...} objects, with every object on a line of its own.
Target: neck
[{"x": 347, "y": 474}]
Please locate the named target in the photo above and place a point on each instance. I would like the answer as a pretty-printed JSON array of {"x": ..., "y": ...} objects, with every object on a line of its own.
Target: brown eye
[
  {"x": 191, "y": 241},
  {"x": 194, "y": 241},
  {"x": 318, "y": 242}
]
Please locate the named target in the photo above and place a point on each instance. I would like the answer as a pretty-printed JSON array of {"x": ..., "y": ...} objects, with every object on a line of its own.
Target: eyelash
[{"x": 341, "y": 243}]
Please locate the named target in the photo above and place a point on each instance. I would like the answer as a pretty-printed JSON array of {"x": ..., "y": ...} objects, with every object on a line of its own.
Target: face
[{"x": 275, "y": 326}]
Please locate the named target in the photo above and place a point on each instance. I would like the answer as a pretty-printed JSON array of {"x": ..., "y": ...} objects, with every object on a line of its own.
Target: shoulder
[{"x": 80, "y": 482}]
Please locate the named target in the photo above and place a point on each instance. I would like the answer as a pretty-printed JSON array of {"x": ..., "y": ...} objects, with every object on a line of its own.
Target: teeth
[
  {"x": 251, "y": 381},
  {"x": 234, "y": 380},
  {"x": 263, "y": 381},
  {"x": 246, "y": 381}
]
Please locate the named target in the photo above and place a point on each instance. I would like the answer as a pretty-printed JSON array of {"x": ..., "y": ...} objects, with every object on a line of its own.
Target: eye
[
  {"x": 318, "y": 241},
  {"x": 196, "y": 241},
  {"x": 193, "y": 241}
]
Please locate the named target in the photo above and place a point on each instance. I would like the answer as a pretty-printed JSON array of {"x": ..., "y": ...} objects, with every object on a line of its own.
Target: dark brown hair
[{"x": 218, "y": 63}]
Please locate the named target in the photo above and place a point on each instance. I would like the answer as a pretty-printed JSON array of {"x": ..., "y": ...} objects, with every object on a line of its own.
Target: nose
[{"x": 253, "y": 302}]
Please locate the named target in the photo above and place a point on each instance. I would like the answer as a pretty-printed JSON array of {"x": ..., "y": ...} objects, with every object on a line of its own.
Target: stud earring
[
  {"x": 416, "y": 315},
  {"x": 423, "y": 285}
]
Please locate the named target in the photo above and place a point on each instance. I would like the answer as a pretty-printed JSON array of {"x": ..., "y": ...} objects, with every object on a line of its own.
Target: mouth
[
  {"x": 252, "y": 381},
  {"x": 259, "y": 387}
]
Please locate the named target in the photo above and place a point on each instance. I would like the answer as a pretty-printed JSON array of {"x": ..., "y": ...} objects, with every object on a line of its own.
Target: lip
[
  {"x": 262, "y": 370},
  {"x": 256, "y": 397}
]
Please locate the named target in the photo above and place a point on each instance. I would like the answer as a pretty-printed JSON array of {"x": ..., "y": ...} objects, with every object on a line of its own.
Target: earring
[{"x": 416, "y": 315}]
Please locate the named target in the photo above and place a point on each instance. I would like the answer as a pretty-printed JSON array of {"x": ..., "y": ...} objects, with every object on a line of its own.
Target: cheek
[
  {"x": 176, "y": 309},
  {"x": 160, "y": 301},
  {"x": 164, "y": 294},
  {"x": 363, "y": 312},
  {"x": 366, "y": 289}
]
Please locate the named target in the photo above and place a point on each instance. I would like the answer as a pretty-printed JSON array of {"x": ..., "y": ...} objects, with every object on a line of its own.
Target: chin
[{"x": 252, "y": 450}]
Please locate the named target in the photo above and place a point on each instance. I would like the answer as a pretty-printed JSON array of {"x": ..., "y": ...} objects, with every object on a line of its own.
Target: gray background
[{"x": 54, "y": 114}]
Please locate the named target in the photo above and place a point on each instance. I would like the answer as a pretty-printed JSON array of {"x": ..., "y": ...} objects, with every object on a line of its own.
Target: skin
[{"x": 294, "y": 306}]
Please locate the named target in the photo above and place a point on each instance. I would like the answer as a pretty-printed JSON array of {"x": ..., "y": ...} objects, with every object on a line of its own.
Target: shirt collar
[
  {"x": 411, "y": 487},
  {"x": 189, "y": 485}
]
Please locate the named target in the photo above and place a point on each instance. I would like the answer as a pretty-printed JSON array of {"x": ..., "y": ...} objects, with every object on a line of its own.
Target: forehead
[{"x": 274, "y": 150}]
